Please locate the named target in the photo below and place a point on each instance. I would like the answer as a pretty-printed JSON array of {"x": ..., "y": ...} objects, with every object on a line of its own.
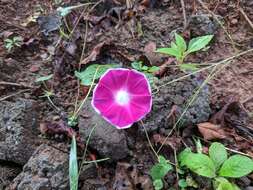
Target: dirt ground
[{"x": 108, "y": 32}]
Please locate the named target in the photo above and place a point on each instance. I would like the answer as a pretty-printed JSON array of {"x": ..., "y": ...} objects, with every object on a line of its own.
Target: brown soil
[{"x": 125, "y": 34}]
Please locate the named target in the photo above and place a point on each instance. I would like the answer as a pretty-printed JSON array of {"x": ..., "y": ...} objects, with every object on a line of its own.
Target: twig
[
  {"x": 208, "y": 67},
  {"x": 246, "y": 17},
  {"x": 218, "y": 21},
  {"x": 11, "y": 95},
  {"x": 191, "y": 101},
  {"x": 149, "y": 142},
  {"x": 184, "y": 13},
  {"x": 14, "y": 84},
  {"x": 238, "y": 152}
]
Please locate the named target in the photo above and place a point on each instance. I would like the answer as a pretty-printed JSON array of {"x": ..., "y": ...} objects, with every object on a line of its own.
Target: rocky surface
[
  {"x": 47, "y": 169},
  {"x": 8, "y": 171},
  {"x": 18, "y": 131},
  {"x": 202, "y": 24},
  {"x": 169, "y": 103},
  {"x": 105, "y": 139}
]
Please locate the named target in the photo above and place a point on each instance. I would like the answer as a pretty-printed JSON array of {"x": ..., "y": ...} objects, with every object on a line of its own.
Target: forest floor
[{"x": 34, "y": 132}]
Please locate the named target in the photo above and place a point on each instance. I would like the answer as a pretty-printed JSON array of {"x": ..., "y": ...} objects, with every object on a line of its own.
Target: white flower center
[{"x": 122, "y": 97}]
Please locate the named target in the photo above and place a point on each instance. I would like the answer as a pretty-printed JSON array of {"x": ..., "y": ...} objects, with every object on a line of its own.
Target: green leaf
[
  {"x": 182, "y": 157},
  {"x": 198, "y": 43},
  {"x": 136, "y": 65},
  {"x": 218, "y": 154},
  {"x": 44, "y": 78},
  {"x": 236, "y": 166},
  {"x": 189, "y": 67},
  {"x": 153, "y": 69},
  {"x": 221, "y": 183},
  {"x": 87, "y": 75},
  {"x": 182, "y": 183},
  {"x": 150, "y": 77},
  {"x": 73, "y": 167},
  {"x": 144, "y": 68},
  {"x": 158, "y": 184},
  {"x": 181, "y": 44},
  {"x": 169, "y": 51},
  {"x": 200, "y": 164},
  {"x": 159, "y": 170},
  {"x": 8, "y": 40}
]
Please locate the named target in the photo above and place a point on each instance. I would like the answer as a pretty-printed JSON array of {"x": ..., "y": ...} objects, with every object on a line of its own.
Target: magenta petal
[
  {"x": 114, "y": 80},
  {"x": 122, "y": 97},
  {"x": 119, "y": 116},
  {"x": 138, "y": 86},
  {"x": 104, "y": 98}
]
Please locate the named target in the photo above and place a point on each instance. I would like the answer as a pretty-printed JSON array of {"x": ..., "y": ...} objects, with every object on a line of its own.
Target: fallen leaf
[
  {"x": 60, "y": 127},
  {"x": 211, "y": 131},
  {"x": 95, "y": 52},
  {"x": 150, "y": 57},
  {"x": 174, "y": 142}
]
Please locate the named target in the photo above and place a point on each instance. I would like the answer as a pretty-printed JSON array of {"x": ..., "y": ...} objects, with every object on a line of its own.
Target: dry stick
[
  {"x": 229, "y": 149},
  {"x": 84, "y": 46},
  {"x": 246, "y": 17},
  {"x": 86, "y": 149},
  {"x": 184, "y": 14},
  {"x": 218, "y": 21},
  {"x": 14, "y": 84},
  {"x": 11, "y": 95},
  {"x": 186, "y": 108},
  {"x": 206, "y": 68},
  {"x": 238, "y": 152},
  {"x": 149, "y": 142}
]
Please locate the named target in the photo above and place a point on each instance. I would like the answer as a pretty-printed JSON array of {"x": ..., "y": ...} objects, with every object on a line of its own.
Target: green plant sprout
[
  {"x": 158, "y": 172},
  {"x": 87, "y": 75},
  {"x": 217, "y": 166},
  {"x": 180, "y": 50},
  {"x": 47, "y": 93},
  {"x": 10, "y": 43},
  {"x": 148, "y": 71}
]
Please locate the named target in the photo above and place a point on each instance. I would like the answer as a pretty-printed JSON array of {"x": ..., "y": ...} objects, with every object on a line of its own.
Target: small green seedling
[
  {"x": 148, "y": 71},
  {"x": 158, "y": 172},
  {"x": 10, "y": 43},
  {"x": 180, "y": 50},
  {"x": 217, "y": 165},
  {"x": 87, "y": 75}
]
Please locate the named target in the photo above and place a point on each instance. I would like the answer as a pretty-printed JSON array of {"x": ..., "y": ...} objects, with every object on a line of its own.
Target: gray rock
[
  {"x": 105, "y": 139},
  {"x": 202, "y": 24},
  {"x": 249, "y": 188},
  {"x": 177, "y": 94},
  {"x": 47, "y": 169},
  {"x": 49, "y": 23},
  {"x": 18, "y": 130}
]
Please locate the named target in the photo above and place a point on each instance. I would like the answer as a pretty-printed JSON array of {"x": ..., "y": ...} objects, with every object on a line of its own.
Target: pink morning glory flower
[{"x": 122, "y": 97}]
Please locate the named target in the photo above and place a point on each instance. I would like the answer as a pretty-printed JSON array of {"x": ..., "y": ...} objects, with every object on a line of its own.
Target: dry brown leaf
[
  {"x": 174, "y": 142},
  {"x": 95, "y": 52},
  {"x": 211, "y": 131}
]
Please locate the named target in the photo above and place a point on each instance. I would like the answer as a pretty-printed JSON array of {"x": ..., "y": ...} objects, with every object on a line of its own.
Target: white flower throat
[{"x": 122, "y": 97}]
